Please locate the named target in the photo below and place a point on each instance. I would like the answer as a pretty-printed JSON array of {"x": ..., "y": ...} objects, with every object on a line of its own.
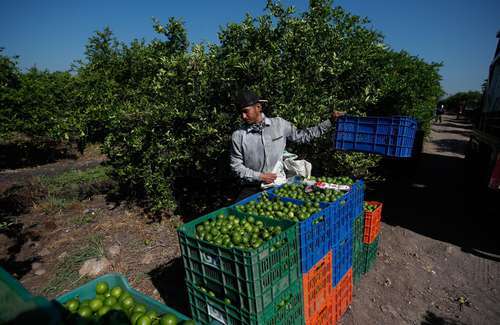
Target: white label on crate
[
  {"x": 337, "y": 187},
  {"x": 214, "y": 313},
  {"x": 210, "y": 260}
]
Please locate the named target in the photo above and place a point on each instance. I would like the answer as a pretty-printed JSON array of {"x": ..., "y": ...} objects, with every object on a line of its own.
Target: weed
[
  {"x": 72, "y": 179},
  {"x": 54, "y": 204},
  {"x": 86, "y": 218},
  {"x": 66, "y": 274}
]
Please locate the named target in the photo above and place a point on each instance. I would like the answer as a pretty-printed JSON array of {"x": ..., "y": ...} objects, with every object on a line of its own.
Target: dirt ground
[{"x": 438, "y": 261}]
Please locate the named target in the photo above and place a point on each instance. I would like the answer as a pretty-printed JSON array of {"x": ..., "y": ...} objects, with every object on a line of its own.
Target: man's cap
[{"x": 248, "y": 98}]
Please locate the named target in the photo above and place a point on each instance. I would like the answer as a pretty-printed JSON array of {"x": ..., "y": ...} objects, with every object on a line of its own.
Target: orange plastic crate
[
  {"x": 317, "y": 288},
  {"x": 372, "y": 223},
  {"x": 342, "y": 296},
  {"x": 324, "y": 317}
]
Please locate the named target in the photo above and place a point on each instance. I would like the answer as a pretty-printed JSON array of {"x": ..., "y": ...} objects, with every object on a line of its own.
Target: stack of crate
[
  {"x": 342, "y": 250},
  {"x": 366, "y": 239},
  {"x": 243, "y": 286},
  {"x": 308, "y": 280},
  {"x": 329, "y": 244}
]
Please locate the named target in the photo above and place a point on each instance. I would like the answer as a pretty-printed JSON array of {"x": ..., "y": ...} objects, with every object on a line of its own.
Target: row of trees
[{"x": 163, "y": 109}]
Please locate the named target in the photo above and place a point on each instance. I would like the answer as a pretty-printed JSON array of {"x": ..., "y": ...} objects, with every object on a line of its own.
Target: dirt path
[{"x": 438, "y": 257}]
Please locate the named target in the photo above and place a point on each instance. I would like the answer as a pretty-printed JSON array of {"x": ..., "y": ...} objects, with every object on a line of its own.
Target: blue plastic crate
[
  {"x": 388, "y": 136},
  {"x": 342, "y": 258},
  {"x": 356, "y": 199},
  {"x": 315, "y": 233},
  {"x": 342, "y": 211}
]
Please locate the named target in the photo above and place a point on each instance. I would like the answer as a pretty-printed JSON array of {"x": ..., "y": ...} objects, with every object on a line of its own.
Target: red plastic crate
[
  {"x": 323, "y": 317},
  {"x": 372, "y": 223},
  {"x": 342, "y": 296},
  {"x": 318, "y": 290}
]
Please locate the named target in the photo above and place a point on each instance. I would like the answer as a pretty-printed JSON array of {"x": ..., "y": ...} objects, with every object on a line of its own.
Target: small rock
[
  {"x": 62, "y": 255},
  {"x": 40, "y": 272},
  {"x": 449, "y": 249},
  {"x": 388, "y": 309},
  {"x": 94, "y": 266},
  {"x": 387, "y": 282},
  {"x": 148, "y": 258},
  {"x": 36, "y": 266},
  {"x": 44, "y": 252},
  {"x": 114, "y": 251}
]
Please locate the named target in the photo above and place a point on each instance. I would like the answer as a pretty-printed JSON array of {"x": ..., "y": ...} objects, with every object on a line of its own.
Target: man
[
  {"x": 258, "y": 145},
  {"x": 439, "y": 114}
]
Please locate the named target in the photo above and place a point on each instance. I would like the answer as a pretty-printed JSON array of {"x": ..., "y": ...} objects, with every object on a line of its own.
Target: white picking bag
[{"x": 288, "y": 167}]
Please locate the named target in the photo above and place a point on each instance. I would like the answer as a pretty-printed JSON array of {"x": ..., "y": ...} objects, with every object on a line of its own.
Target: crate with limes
[
  {"x": 314, "y": 222},
  {"x": 348, "y": 192},
  {"x": 286, "y": 308},
  {"x": 109, "y": 299},
  {"x": 241, "y": 260}
]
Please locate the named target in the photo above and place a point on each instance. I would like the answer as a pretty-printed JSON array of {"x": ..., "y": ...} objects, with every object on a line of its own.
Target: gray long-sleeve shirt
[{"x": 253, "y": 153}]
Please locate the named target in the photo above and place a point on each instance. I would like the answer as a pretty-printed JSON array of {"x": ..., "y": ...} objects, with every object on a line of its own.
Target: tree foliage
[{"x": 164, "y": 108}]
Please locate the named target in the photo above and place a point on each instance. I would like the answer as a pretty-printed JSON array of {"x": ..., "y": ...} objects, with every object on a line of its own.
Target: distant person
[
  {"x": 439, "y": 114},
  {"x": 460, "y": 111}
]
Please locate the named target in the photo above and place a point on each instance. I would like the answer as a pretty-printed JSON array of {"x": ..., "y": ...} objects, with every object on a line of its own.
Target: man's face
[{"x": 252, "y": 114}]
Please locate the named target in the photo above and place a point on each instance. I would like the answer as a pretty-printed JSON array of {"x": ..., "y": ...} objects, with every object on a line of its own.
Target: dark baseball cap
[{"x": 248, "y": 98}]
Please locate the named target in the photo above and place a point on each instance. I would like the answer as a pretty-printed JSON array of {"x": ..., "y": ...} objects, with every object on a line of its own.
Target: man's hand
[
  {"x": 268, "y": 178},
  {"x": 335, "y": 115}
]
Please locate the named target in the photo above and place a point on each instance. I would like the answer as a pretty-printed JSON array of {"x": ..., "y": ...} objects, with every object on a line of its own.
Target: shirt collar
[{"x": 265, "y": 120}]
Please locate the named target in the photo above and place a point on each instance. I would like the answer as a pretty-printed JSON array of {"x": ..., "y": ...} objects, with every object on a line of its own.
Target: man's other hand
[
  {"x": 268, "y": 178},
  {"x": 335, "y": 115}
]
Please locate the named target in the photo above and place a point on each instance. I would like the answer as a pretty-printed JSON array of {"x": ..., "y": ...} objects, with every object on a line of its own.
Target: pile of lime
[
  {"x": 277, "y": 209},
  {"x": 370, "y": 207},
  {"x": 304, "y": 192},
  {"x": 340, "y": 180},
  {"x": 230, "y": 231},
  {"x": 116, "y": 306}
]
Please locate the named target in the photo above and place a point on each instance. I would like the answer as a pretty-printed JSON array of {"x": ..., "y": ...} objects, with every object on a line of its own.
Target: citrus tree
[{"x": 167, "y": 112}]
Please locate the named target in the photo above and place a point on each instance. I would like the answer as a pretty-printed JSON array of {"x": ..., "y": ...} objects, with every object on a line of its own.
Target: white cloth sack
[{"x": 287, "y": 167}]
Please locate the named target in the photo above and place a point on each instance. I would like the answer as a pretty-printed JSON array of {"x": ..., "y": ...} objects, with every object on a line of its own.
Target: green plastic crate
[
  {"x": 358, "y": 255},
  {"x": 208, "y": 310},
  {"x": 18, "y": 306},
  {"x": 87, "y": 291},
  {"x": 371, "y": 254},
  {"x": 250, "y": 278}
]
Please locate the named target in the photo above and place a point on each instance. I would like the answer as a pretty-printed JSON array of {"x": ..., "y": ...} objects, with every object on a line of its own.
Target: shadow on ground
[
  {"x": 431, "y": 196},
  {"x": 432, "y": 319},
  {"x": 173, "y": 291},
  {"x": 18, "y": 237}
]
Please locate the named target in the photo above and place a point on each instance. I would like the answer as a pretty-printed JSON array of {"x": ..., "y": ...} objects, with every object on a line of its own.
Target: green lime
[
  {"x": 101, "y": 288},
  {"x": 143, "y": 320},
  {"x": 135, "y": 317},
  {"x": 103, "y": 310},
  {"x": 85, "y": 312},
  {"x": 139, "y": 309},
  {"x": 127, "y": 303},
  {"x": 116, "y": 292},
  {"x": 96, "y": 304},
  {"x": 110, "y": 301},
  {"x": 168, "y": 319},
  {"x": 152, "y": 314},
  {"x": 72, "y": 305}
]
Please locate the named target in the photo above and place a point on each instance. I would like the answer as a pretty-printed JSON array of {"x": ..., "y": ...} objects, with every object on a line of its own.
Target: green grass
[
  {"x": 66, "y": 274},
  {"x": 71, "y": 179},
  {"x": 84, "y": 219}
]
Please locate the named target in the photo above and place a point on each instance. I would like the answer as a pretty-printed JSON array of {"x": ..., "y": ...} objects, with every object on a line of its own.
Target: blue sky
[{"x": 53, "y": 33}]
